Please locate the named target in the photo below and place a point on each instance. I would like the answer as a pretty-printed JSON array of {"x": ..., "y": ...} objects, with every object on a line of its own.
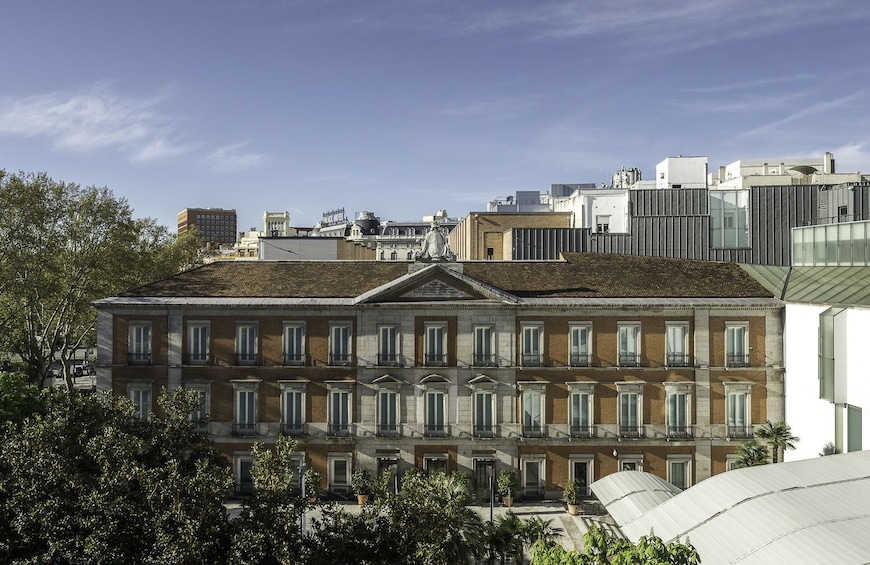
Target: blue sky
[{"x": 406, "y": 107}]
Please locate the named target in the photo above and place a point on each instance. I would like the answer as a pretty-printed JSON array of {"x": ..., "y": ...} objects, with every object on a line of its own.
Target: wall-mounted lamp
[{"x": 615, "y": 453}]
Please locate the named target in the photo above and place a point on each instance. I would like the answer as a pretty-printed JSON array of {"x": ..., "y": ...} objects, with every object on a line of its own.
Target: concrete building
[
  {"x": 682, "y": 172},
  {"x": 216, "y": 226},
  {"x": 564, "y": 370},
  {"x": 482, "y": 235}
]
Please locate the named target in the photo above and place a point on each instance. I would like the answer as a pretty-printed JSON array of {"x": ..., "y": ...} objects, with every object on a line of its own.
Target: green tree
[
  {"x": 752, "y": 453},
  {"x": 87, "y": 482},
  {"x": 778, "y": 436},
  {"x": 65, "y": 246},
  {"x": 18, "y": 399}
]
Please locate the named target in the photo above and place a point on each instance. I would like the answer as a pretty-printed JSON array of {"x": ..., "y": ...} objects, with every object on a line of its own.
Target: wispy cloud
[
  {"x": 492, "y": 110},
  {"x": 232, "y": 158},
  {"x": 803, "y": 113},
  {"x": 94, "y": 119},
  {"x": 751, "y": 84}
]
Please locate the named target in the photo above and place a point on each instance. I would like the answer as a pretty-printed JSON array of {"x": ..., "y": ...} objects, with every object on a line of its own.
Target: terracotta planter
[
  {"x": 362, "y": 499},
  {"x": 507, "y": 501},
  {"x": 574, "y": 509}
]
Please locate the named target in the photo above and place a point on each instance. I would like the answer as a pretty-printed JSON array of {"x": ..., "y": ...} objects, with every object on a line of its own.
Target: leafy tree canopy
[{"x": 65, "y": 246}]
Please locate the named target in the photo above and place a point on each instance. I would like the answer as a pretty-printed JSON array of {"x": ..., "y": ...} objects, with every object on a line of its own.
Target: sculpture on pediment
[{"x": 435, "y": 247}]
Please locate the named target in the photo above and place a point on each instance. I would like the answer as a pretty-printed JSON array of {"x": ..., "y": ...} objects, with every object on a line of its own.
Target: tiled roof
[{"x": 581, "y": 275}]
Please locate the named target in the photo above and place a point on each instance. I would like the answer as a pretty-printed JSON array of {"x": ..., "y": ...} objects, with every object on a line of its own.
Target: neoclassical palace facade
[{"x": 564, "y": 370}]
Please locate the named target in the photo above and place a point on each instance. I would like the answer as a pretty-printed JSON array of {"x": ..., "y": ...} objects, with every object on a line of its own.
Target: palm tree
[
  {"x": 778, "y": 435},
  {"x": 752, "y": 453}
]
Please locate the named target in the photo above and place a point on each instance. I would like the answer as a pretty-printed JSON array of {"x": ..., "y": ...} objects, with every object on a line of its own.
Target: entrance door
[{"x": 484, "y": 471}]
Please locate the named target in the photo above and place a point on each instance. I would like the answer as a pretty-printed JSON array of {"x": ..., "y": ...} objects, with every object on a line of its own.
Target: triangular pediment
[{"x": 435, "y": 283}]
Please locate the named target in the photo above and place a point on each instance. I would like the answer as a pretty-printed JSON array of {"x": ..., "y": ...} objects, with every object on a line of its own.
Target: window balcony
[
  {"x": 137, "y": 358},
  {"x": 294, "y": 429},
  {"x": 435, "y": 430},
  {"x": 533, "y": 430},
  {"x": 532, "y": 360},
  {"x": 294, "y": 359},
  {"x": 435, "y": 360},
  {"x": 579, "y": 360},
  {"x": 388, "y": 360},
  {"x": 484, "y": 430},
  {"x": 388, "y": 430},
  {"x": 631, "y": 431},
  {"x": 486, "y": 360},
  {"x": 680, "y": 432},
  {"x": 740, "y": 432},
  {"x": 737, "y": 360},
  {"x": 196, "y": 359},
  {"x": 340, "y": 359},
  {"x": 583, "y": 431},
  {"x": 338, "y": 430},
  {"x": 677, "y": 360},
  {"x": 629, "y": 360},
  {"x": 246, "y": 359},
  {"x": 245, "y": 428}
]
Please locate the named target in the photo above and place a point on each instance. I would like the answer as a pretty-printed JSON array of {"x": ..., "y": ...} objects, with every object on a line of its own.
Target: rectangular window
[
  {"x": 388, "y": 421},
  {"x": 581, "y": 349},
  {"x": 339, "y": 413},
  {"x": 197, "y": 343},
  {"x": 339, "y": 345},
  {"x": 677, "y": 346},
  {"x": 484, "y": 350},
  {"x": 140, "y": 396},
  {"x": 630, "y": 406},
  {"x": 435, "y": 346},
  {"x": 736, "y": 345},
  {"x": 435, "y": 464},
  {"x": 602, "y": 224},
  {"x": 678, "y": 473},
  {"x": 242, "y": 465},
  {"x": 533, "y": 401},
  {"x": 483, "y": 414},
  {"x": 245, "y": 410},
  {"x": 140, "y": 343},
  {"x": 339, "y": 473},
  {"x": 294, "y": 344},
  {"x": 246, "y": 344},
  {"x": 729, "y": 218},
  {"x": 435, "y": 417},
  {"x": 533, "y": 475},
  {"x": 581, "y": 472},
  {"x": 630, "y": 463},
  {"x": 629, "y": 345},
  {"x": 737, "y": 412},
  {"x": 581, "y": 414},
  {"x": 293, "y": 406},
  {"x": 388, "y": 346},
  {"x": 678, "y": 415},
  {"x": 532, "y": 345},
  {"x": 201, "y": 414}
]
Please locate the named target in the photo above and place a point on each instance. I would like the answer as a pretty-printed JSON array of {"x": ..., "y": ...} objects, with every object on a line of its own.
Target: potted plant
[
  {"x": 361, "y": 481},
  {"x": 572, "y": 497},
  {"x": 508, "y": 481},
  {"x": 312, "y": 484}
]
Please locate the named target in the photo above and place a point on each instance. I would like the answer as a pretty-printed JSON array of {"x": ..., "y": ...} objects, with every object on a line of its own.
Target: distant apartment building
[
  {"x": 564, "y": 370},
  {"x": 216, "y": 226}
]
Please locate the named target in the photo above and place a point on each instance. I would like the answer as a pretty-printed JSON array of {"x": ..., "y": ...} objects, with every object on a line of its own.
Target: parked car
[{"x": 55, "y": 370}]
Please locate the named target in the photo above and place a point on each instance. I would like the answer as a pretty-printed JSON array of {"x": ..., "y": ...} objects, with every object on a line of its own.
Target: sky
[{"x": 407, "y": 107}]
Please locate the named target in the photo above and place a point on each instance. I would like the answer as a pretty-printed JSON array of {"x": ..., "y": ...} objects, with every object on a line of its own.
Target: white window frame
[
  {"x": 533, "y": 397},
  {"x": 736, "y": 429},
  {"x": 294, "y": 343},
  {"x": 141, "y": 395},
  {"x": 340, "y": 343},
  {"x": 733, "y": 358},
  {"x": 334, "y": 484},
  {"x": 245, "y": 414},
  {"x": 674, "y": 393},
  {"x": 589, "y": 460},
  {"x": 197, "y": 352},
  {"x": 575, "y": 425},
  {"x": 140, "y": 337},
  {"x": 676, "y": 349},
  {"x": 388, "y": 407},
  {"x": 630, "y": 459},
  {"x": 336, "y": 409},
  {"x": 578, "y": 355},
  {"x": 628, "y": 348},
  {"x": 731, "y": 461},
  {"x": 684, "y": 461},
  {"x": 483, "y": 413},
  {"x": 629, "y": 428},
  {"x": 293, "y": 417},
  {"x": 483, "y": 354},
  {"x": 538, "y": 488},
  {"x": 240, "y": 458},
  {"x": 532, "y": 344},
  {"x": 428, "y": 458},
  {"x": 247, "y": 343},
  {"x": 431, "y": 426},
  {"x": 435, "y": 344},
  {"x": 202, "y": 413},
  {"x": 389, "y": 346}
]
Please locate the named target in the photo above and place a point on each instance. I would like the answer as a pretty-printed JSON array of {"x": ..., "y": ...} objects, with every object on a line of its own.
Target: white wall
[
  {"x": 687, "y": 172},
  {"x": 586, "y": 205}
]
